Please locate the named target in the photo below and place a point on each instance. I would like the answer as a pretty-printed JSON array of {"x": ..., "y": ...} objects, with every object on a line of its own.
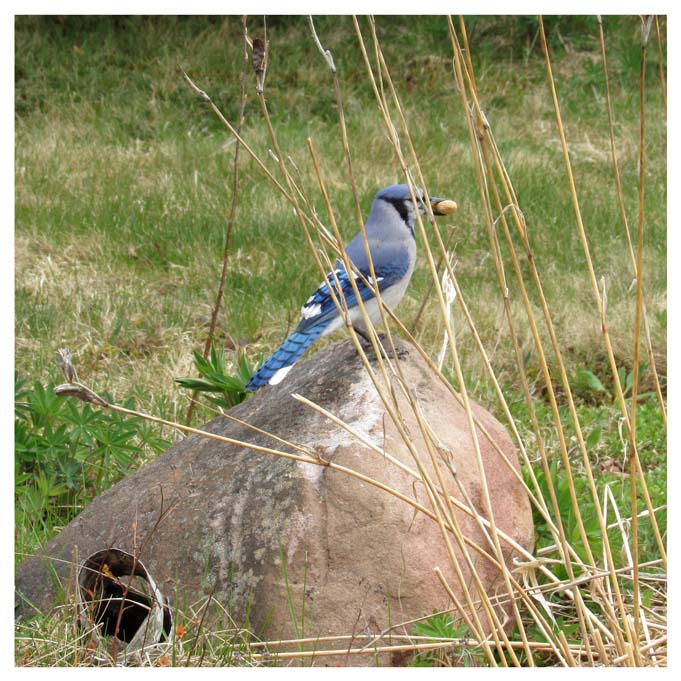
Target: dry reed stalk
[
  {"x": 628, "y": 418},
  {"x": 485, "y": 128},
  {"x": 77, "y": 390},
  {"x": 474, "y": 135},
  {"x": 463, "y": 397},
  {"x": 554, "y": 406},
  {"x": 634, "y": 462},
  {"x": 379, "y": 53},
  {"x": 520, "y": 226},
  {"x": 341, "y": 120},
  {"x": 585, "y": 622},
  {"x": 483, "y": 131},
  {"x": 428, "y": 485},
  {"x": 504, "y": 289},
  {"x": 339, "y": 301},
  {"x": 583, "y": 239},
  {"x": 417, "y": 317},
  {"x": 573, "y": 650},
  {"x": 497, "y": 630},
  {"x": 635, "y": 466},
  {"x": 309, "y": 456},
  {"x": 495, "y": 538},
  {"x": 660, "y": 61},
  {"x": 625, "y": 222}
]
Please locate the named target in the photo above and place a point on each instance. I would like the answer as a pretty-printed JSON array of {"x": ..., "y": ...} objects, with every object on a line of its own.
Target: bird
[{"x": 392, "y": 244}]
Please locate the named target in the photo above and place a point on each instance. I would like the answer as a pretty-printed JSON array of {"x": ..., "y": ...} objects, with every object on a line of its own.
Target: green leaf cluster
[
  {"x": 67, "y": 452},
  {"x": 225, "y": 390},
  {"x": 438, "y": 626}
]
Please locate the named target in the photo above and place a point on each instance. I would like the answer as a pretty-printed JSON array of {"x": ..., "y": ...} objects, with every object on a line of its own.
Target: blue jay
[{"x": 390, "y": 234}]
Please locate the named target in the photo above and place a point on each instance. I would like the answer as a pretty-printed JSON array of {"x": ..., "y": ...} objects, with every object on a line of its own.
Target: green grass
[
  {"x": 123, "y": 185},
  {"x": 123, "y": 176}
]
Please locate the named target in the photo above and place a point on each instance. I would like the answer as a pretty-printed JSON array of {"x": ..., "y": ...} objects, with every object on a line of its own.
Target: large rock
[{"x": 266, "y": 535}]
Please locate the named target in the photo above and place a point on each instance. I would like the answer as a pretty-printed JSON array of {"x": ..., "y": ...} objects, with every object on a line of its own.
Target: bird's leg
[
  {"x": 401, "y": 352},
  {"x": 366, "y": 341},
  {"x": 362, "y": 335}
]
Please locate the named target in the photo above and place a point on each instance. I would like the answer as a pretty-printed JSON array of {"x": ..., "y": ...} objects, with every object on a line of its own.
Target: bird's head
[{"x": 398, "y": 198}]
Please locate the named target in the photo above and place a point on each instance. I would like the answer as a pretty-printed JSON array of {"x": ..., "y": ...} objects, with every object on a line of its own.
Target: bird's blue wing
[
  {"x": 318, "y": 312},
  {"x": 320, "y": 308}
]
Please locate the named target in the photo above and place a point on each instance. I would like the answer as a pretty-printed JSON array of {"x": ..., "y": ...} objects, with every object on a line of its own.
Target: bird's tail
[{"x": 283, "y": 359}]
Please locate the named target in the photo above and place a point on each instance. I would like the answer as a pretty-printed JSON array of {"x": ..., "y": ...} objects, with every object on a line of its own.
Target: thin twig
[{"x": 230, "y": 222}]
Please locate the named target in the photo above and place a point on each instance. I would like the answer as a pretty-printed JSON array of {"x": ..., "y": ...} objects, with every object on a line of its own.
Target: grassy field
[{"x": 124, "y": 182}]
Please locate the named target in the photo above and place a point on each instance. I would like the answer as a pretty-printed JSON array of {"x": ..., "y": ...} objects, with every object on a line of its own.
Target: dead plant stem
[{"x": 230, "y": 223}]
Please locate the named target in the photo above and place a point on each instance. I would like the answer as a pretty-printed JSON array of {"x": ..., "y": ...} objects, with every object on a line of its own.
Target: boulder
[{"x": 296, "y": 549}]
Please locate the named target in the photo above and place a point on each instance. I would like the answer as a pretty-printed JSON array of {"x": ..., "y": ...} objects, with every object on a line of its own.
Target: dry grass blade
[{"x": 623, "y": 213}]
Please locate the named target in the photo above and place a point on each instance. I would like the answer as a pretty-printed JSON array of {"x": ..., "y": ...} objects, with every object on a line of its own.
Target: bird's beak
[{"x": 443, "y": 206}]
